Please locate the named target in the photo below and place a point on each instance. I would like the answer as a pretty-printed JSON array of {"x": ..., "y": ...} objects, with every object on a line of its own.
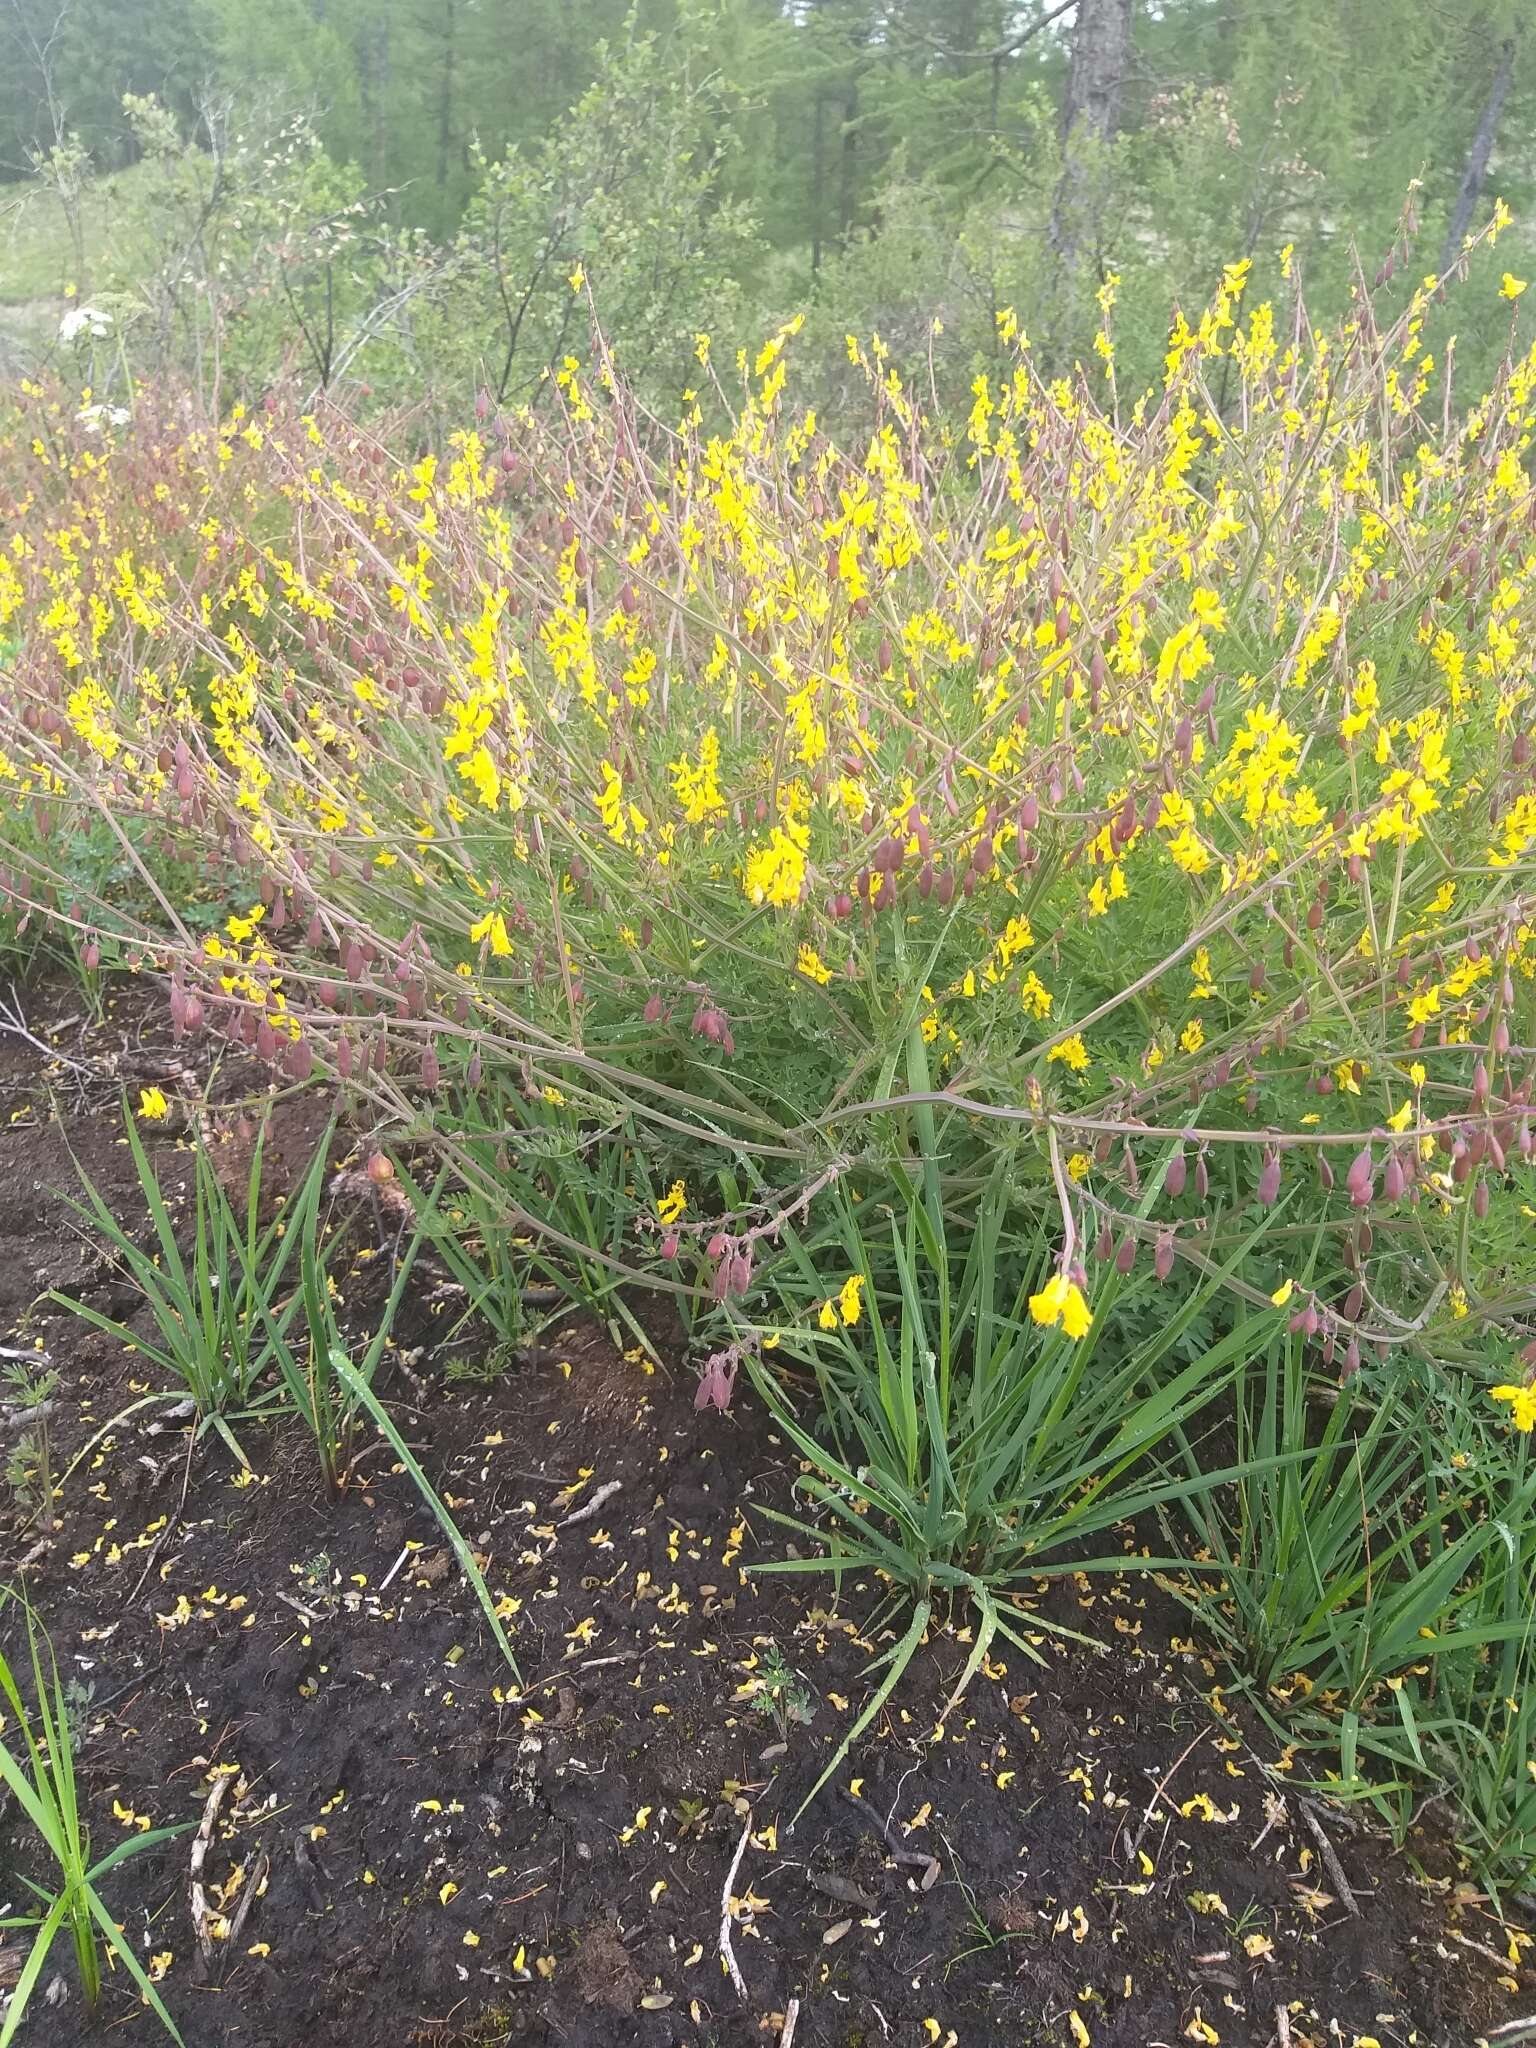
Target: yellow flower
[
  {"x": 152, "y": 1105},
  {"x": 846, "y": 1305},
  {"x": 1192, "y": 1037},
  {"x": 492, "y": 926},
  {"x": 672, "y": 1203},
  {"x": 1062, "y": 1301},
  {"x": 1512, "y": 286},
  {"x": 1079, "y": 1166},
  {"x": 1522, "y": 1406},
  {"x": 1073, "y": 1051},
  {"x": 1282, "y": 1293}
]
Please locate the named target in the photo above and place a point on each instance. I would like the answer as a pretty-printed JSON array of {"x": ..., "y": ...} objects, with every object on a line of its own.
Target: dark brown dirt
[{"x": 439, "y": 1858}]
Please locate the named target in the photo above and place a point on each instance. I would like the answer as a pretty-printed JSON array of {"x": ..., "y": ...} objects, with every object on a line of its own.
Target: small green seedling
[
  {"x": 783, "y": 1694},
  {"x": 39, "y": 1774}
]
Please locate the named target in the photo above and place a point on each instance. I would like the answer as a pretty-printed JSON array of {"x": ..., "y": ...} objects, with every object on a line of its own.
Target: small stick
[
  {"x": 1282, "y": 2027},
  {"x": 590, "y": 1508},
  {"x": 1480, "y": 1948},
  {"x": 791, "y": 2021},
  {"x": 24, "y": 1418},
  {"x": 1331, "y": 1861},
  {"x": 299, "y": 1608},
  {"x": 1164, "y": 1782},
  {"x": 389, "y": 1577},
  {"x": 257, "y": 1879},
  {"x": 171, "y": 1528},
  {"x": 727, "y": 1953},
  {"x": 197, "y": 1897}
]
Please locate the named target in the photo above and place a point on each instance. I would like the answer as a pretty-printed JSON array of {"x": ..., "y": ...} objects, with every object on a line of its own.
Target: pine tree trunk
[
  {"x": 1478, "y": 156},
  {"x": 445, "y": 98},
  {"x": 1090, "y": 114}
]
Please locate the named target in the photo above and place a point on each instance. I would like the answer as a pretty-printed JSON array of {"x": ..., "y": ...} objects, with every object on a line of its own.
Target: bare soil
[{"x": 413, "y": 1851}]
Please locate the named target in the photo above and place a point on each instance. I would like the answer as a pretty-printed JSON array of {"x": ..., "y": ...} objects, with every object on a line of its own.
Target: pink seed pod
[
  {"x": 344, "y": 1058},
  {"x": 1162, "y": 1257},
  {"x": 266, "y": 1041},
  {"x": 1351, "y": 1360},
  {"x": 1202, "y": 1176},
  {"x": 1104, "y": 1244},
  {"x": 1325, "y": 1173},
  {"x": 1392, "y": 1181},
  {"x": 1029, "y": 812},
  {"x": 1269, "y": 1179},
  {"x": 1480, "y": 1200},
  {"x": 1501, "y": 1037},
  {"x": 1479, "y": 1083},
  {"x": 717, "y": 1246},
  {"x": 652, "y": 1011},
  {"x": 1354, "y": 1301},
  {"x": 669, "y": 1245},
  {"x": 379, "y": 1169},
  {"x": 300, "y": 1059},
  {"x": 90, "y": 954},
  {"x": 1361, "y": 1178},
  {"x": 431, "y": 1072},
  {"x": 1174, "y": 1179},
  {"x": 473, "y": 1072},
  {"x": 1125, "y": 1256}
]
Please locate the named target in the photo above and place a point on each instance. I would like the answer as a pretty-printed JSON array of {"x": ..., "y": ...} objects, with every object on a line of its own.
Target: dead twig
[
  {"x": 1480, "y": 1948},
  {"x": 591, "y": 1507},
  {"x": 24, "y": 1418},
  {"x": 1162, "y": 1786},
  {"x": 1282, "y": 2027},
  {"x": 172, "y": 1526},
  {"x": 791, "y": 2021},
  {"x": 1331, "y": 1861},
  {"x": 917, "y": 1859},
  {"x": 197, "y": 1897},
  {"x": 248, "y": 1899},
  {"x": 727, "y": 1953}
]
